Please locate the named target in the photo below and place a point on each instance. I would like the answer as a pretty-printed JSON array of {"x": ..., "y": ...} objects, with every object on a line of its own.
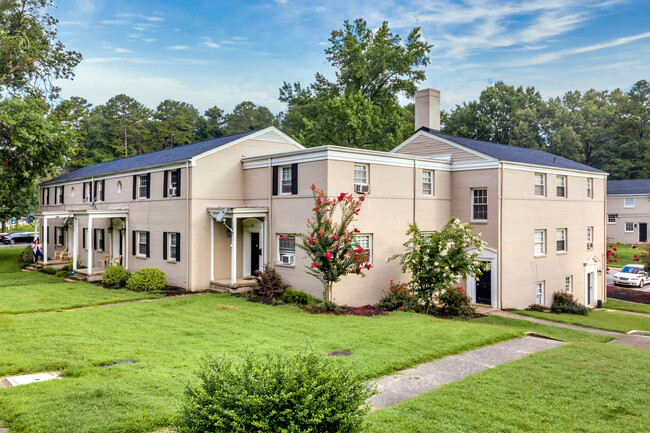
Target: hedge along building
[{"x": 212, "y": 213}]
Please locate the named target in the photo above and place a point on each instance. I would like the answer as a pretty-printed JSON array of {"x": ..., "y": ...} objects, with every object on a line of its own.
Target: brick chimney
[{"x": 427, "y": 109}]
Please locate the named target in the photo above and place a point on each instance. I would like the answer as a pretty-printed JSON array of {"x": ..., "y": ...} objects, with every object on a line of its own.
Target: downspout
[
  {"x": 603, "y": 257},
  {"x": 415, "y": 174},
  {"x": 188, "y": 227},
  {"x": 269, "y": 216},
  {"x": 500, "y": 246}
]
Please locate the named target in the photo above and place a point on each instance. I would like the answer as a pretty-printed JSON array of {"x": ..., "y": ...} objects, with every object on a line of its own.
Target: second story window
[
  {"x": 540, "y": 185},
  {"x": 611, "y": 218},
  {"x": 540, "y": 242},
  {"x": 628, "y": 202},
  {"x": 360, "y": 174},
  {"x": 427, "y": 182},
  {"x": 143, "y": 186},
  {"x": 590, "y": 188},
  {"x": 561, "y": 241},
  {"x": 479, "y": 204},
  {"x": 561, "y": 186},
  {"x": 99, "y": 190},
  {"x": 59, "y": 194},
  {"x": 287, "y": 184}
]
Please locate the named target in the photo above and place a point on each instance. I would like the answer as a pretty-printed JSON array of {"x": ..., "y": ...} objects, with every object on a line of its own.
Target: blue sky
[{"x": 223, "y": 52}]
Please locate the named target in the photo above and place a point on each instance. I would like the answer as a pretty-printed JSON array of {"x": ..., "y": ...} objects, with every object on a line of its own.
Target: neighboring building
[
  {"x": 212, "y": 213},
  {"x": 628, "y": 210}
]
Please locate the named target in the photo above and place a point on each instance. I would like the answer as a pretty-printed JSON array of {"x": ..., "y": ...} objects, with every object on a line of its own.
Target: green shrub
[
  {"x": 48, "y": 270},
  {"x": 147, "y": 280},
  {"x": 398, "y": 297},
  {"x": 296, "y": 297},
  {"x": 27, "y": 256},
  {"x": 62, "y": 273},
  {"x": 67, "y": 267},
  {"x": 537, "y": 307},
  {"x": 275, "y": 393},
  {"x": 566, "y": 303},
  {"x": 115, "y": 276},
  {"x": 455, "y": 302},
  {"x": 269, "y": 283}
]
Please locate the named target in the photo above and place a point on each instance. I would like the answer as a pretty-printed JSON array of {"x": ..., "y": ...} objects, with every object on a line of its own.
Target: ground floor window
[
  {"x": 142, "y": 243},
  {"x": 629, "y": 227},
  {"x": 172, "y": 246},
  {"x": 568, "y": 284},
  {"x": 539, "y": 293},
  {"x": 365, "y": 241},
  {"x": 286, "y": 249},
  {"x": 60, "y": 238}
]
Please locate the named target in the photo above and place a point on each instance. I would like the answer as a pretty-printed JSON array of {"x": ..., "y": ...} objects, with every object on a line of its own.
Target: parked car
[
  {"x": 15, "y": 238},
  {"x": 632, "y": 275}
]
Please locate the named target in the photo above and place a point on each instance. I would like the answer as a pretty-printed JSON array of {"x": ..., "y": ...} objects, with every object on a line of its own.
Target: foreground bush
[
  {"x": 48, "y": 270},
  {"x": 398, "y": 297},
  {"x": 296, "y": 297},
  {"x": 455, "y": 302},
  {"x": 147, "y": 280},
  {"x": 566, "y": 303},
  {"x": 115, "y": 276},
  {"x": 277, "y": 393},
  {"x": 269, "y": 283},
  {"x": 537, "y": 307},
  {"x": 27, "y": 256},
  {"x": 62, "y": 273}
]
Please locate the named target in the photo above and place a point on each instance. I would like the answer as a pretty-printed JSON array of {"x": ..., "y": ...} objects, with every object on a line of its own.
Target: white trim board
[
  {"x": 521, "y": 166},
  {"x": 144, "y": 170},
  {"x": 444, "y": 140}
]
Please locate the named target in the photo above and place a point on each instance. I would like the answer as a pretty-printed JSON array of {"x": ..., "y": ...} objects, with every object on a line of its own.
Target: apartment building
[{"x": 628, "y": 210}]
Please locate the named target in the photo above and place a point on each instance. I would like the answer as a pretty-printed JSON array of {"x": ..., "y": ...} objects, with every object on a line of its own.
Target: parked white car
[{"x": 632, "y": 275}]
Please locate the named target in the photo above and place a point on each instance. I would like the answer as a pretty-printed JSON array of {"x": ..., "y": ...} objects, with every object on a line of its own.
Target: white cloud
[
  {"x": 178, "y": 47},
  {"x": 149, "y": 40},
  {"x": 113, "y": 22},
  {"x": 208, "y": 42},
  {"x": 122, "y": 50}
]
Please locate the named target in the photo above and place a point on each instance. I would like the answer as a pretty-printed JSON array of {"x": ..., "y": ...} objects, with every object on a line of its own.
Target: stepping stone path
[{"x": 412, "y": 382}]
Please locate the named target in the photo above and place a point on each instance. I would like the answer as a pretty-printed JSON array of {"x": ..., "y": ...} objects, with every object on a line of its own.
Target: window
[
  {"x": 540, "y": 184},
  {"x": 540, "y": 242},
  {"x": 590, "y": 237},
  {"x": 98, "y": 240},
  {"x": 143, "y": 186},
  {"x": 479, "y": 204},
  {"x": 561, "y": 241},
  {"x": 287, "y": 249},
  {"x": 539, "y": 293},
  {"x": 628, "y": 202},
  {"x": 560, "y": 182},
  {"x": 99, "y": 188},
  {"x": 87, "y": 191},
  {"x": 590, "y": 188},
  {"x": 568, "y": 284},
  {"x": 611, "y": 218},
  {"x": 174, "y": 183},
  {"x": 172, "y": 246},
  {"x": 59, "y": 194},
  {"x": 427, "y": 182},
  {"x": 287, "y": 183},
  {"x": 142, "y": 244},
  {"x": 365, "y": 242},
  {"x": 629, "y": 227},
  {"x": 72, "y": 192},
  {"x": 119, "y": 186},
  {"x": 360, "y": 174},
  {"x": 59, "y": 236}
]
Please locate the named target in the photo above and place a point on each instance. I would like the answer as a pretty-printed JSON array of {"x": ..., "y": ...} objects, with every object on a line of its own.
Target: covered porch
[{"x": 239, "y": 245}]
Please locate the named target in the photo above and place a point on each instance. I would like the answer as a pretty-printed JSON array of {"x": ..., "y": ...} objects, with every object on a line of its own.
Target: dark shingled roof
[
  {"x": 504, "y": 152},
  {"x": 153, "y": 159},
  {"x": 628, "y": 186}
]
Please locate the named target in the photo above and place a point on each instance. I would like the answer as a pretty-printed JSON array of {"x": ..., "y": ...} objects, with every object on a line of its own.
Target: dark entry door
[
  {"x": 484, "y": 288},
  {"x": 590, "y": 288},
  {"x": 643, "y": 232},
  {"x": 255, "y": 252}
]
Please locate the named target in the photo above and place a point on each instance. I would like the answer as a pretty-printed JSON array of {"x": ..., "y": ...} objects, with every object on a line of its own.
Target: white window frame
[
  {"x": 59, "y": 235},
  {"x": 361, "y": 168},
  {"x": 539, "y": 292},
  {"x": 98, "y": 238},
  {"x": 366, "y": 248},
  {"x": 541, "y": 177},
  {"x": 286, "y": 179},
  {"x": 628, "y": 204},
  {"x": 141, "y": 240},
  {"x": 427, "y": 182},
  {"x": 143, "y": 183},
  {"x": 59, "y": 194},
  {"x": 568, "y": 284},
  {"x": 611, "y": 218},
  {"x": 542, "y": 243},
  {"x": 631, "y": 225},
  {"x": 171, "y": 183},
  {"x": 292, "y": 239},
  {"x": 561, "y": 235},
  {"x": 590, "y": 187},
  {"x": 561, "y": 186},
  {"x": 474, "y": 203},
  {"x": 171, "y": 254},
  {"x": 100, "y": 187}
]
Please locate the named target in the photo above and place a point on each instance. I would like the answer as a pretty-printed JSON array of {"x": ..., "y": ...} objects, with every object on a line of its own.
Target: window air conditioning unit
[
  {"x": 288, "y": 259},
  {"x": 361, "y": 189},
  {"x": 171, "y": 191},
  {"x": 590, "y": 245}
]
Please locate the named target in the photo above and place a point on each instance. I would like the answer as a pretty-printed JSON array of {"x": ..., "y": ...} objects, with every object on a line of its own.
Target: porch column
[
  {"x": 89, "y": 244},
  {"x": 75, "y": 242},
  {"x": 233, "y": 252},
  {"x": 211, "y": 248},
  {"x": 265, "y": 242},
  {"x": 126, "y": 250},
  {"x": 44, "y": 244}
]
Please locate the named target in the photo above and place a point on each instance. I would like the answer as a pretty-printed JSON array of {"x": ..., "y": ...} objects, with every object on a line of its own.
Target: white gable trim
[
  {"x": 256, "y": 136},
  {"x": 443, "y": 140}
]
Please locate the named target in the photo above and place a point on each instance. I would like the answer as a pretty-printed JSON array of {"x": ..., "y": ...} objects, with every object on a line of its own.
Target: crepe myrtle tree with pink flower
[
  {"x": 329, "y": 241},
  {"x": 440, "y": 259}
]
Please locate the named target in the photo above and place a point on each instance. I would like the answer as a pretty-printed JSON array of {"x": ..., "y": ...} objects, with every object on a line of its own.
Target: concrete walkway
[
  {"x": 638, "y": 341},
  {"x": 632, "y": 313},
  {"x": 415, "y": 381}
]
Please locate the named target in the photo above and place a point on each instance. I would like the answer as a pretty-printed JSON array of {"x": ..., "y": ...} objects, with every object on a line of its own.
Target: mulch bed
[
  {"x": 628, "y": 295},
  {"x": 366, "y": 311}
]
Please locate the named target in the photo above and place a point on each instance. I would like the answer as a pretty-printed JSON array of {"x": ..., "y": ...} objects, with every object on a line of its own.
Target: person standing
[{"x": 36, "y": 248}]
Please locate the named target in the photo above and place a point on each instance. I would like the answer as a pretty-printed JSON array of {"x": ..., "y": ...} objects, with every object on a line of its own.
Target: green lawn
[
  {"x": 598, "y": 319},
  {"x": 615, "y": 304},
  {"x": 582, "y": 387},
  {"x": 26, "y": 292},
  {"x": 28, "y": 228},
  {"x": 625, "y": 255}
]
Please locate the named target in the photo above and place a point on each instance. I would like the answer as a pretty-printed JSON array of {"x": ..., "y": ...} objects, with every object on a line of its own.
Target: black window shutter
[
  {"x": 275, "y": 180},
  {"x": 48, "y": 196},
  {"x": 133, "y": 242},
  {"x": 48, "y": 235},
  {"x": 165, "y": 176},
  {"x": 135, "y": 188},
  {"x": 294, "y": 178},
  {"x": 95, "y": 189},
  {"x": 165, "y": 245},
  {"x": 148, "y": 186},
  {"x": 102, "y": 243},
  {"x": 83, "y": 238},
  {"x": 178, "y": 182},
  {"x": 62, "y": 194},
  {"x": 94, "y": 239},
  {"x": 103, "y": 189},
  {"x": 148, "y": 243},
  {"x": 178, "y": 246},
  {"x": 83, "y": 197}
]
